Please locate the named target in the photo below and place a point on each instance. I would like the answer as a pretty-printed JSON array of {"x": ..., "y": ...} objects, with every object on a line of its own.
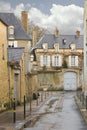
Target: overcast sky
[{"x": 67, "y": 15}]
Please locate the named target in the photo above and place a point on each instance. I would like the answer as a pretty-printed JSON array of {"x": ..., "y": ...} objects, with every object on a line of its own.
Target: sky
[{"x": 66, "y": 15}]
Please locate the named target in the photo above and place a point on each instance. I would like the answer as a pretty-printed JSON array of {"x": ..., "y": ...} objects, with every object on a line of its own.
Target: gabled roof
[
  {"x": 15, "y": 54},
  {"x": 50, "y": 39},
  {"x": 19, "y": 32}
]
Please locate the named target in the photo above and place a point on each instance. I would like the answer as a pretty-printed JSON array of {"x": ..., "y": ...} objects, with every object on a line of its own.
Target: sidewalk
[
  {"x": 82, "y": 108},
  {"x": 6, "y": 118}
]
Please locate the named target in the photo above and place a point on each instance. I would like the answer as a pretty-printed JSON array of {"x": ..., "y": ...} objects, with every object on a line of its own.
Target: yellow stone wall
[
  {"x": 21, "y": 81},
  {"x": 3, "y": 64}
]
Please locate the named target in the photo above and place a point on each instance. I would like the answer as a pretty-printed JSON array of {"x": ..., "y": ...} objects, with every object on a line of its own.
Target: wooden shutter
[
  {"x": 41, "y": 60},
  {"x": 69, "y": 60},
  {"x": 76, "y": 60},
  {"x": 48, "y": 60},
  {"x": 60, "y": 61},
  {"x": 53, "y": 64}
]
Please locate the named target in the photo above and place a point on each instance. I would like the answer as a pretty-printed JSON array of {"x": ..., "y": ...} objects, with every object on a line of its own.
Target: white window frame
[
  {"x": 45, "y": 47},
  {"x": 56, "y": 47},
  {"x": 73, "y": 61},
  {"x": 45, "y": 60},
  {"x": 56, "y": 60},
  {"x": 73, "y": 46}
]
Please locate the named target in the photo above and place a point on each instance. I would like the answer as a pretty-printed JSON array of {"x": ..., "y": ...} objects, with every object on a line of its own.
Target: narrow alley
[{"x": 65, "y": 117}]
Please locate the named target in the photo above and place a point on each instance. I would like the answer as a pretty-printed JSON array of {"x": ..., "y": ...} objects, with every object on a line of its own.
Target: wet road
[{"x": 67, "y": 118}]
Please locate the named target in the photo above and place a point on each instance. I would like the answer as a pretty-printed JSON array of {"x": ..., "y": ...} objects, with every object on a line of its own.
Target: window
[
  {"x": 72, "y": 46},
  {"x": 11, "y": 32},
  {"x": 56, "y": 60},
  {"x": 45, "y": 60},
  {"x": 64, "y": 41},
  {"x": 73, "y": 61},
  {"x": 13, "y": 44},
  {"x": 56, "y": 47},
  {"x": 45, "y": 46}
]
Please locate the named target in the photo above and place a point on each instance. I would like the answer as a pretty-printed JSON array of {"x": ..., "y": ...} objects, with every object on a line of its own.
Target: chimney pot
[
  {"x": 56, "y": 32},
  {"x": 24, "y": 18},
  {"x": 77, "y": 34}
]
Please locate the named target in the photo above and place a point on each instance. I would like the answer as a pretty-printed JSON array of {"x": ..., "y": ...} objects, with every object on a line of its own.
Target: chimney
[
  {"x": 77, "y": 34},
  {"x": 24, "y": 19},
  {"x": 35, "y": 32},
  {"x": 56, "y": 32}
]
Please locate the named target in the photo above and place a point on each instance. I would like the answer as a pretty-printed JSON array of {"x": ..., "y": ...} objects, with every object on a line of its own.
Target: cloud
[
  {"x": 67, "y": 18},
  {"x": 38, "y": 17},
  {"x": 4, "y": 6},
  {"x": 21, "y": 7}
]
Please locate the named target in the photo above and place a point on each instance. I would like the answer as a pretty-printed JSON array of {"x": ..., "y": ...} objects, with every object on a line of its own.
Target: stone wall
[{"x": 3, "y": 65}]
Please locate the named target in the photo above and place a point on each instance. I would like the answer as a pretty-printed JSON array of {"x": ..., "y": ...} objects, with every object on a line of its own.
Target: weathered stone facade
[
  {"x": 17, "y": 83},
  {"x": 4, "y": 89},
  {"x": 53, "y": 77},
  {"x": 60, "y": 61}
]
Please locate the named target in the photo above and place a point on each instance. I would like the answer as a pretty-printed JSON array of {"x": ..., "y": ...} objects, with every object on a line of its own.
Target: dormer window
[
  {"x": 64, "y": 41},
  {"x": 56, "y": 47},
  {"x": 11, "y": 32},
  {"x": 72, "y": 46},
  {"x": 45, "y": 46}
]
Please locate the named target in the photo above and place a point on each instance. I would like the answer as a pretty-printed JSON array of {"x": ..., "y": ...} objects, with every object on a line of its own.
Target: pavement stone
[{"x": 6, "y": 118}]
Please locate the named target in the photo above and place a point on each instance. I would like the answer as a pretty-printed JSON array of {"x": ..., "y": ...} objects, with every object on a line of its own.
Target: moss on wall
[{"x": 51, "y": 80}]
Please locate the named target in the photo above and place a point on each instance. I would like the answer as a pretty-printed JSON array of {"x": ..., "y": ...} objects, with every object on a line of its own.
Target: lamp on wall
[{"x": 31, "y": 57}]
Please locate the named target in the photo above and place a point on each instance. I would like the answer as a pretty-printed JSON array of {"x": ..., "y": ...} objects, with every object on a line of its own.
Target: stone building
[
  {"x": 85, "y": 49},
  {"x": 13, "y": 37},
  {"x": 59, "y": 59},
  {"x": 4, "y": 89},
  {"x": 16, "y": 74}
]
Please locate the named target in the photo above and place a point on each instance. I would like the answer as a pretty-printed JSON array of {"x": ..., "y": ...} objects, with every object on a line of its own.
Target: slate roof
[
  {"x": 15, "y": 54},
  {"x": 51, "y": 39},
  {"x": 10, "y": 19}
]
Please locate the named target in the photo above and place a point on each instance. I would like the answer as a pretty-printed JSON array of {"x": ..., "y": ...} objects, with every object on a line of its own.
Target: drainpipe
[
  {"x": 20, "y": 84},
  {"x": 9, "y": 86}
]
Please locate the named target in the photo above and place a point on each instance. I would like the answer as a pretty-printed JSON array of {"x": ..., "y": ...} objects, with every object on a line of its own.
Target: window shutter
[
  {"x": 76, "y": 60},
  {"x": 60, "y": 61},
  {"x": 41, "y": 60},
  {"x": 15, "y": 44},
  {"x": 69, "y": 60},
  {"x": 53, "y": 64},
  {"x": 48, "y": 60}
]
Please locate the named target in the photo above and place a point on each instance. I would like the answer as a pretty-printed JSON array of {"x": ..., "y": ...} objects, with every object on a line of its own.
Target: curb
[
  {"x": 82, "y": 110},
  {"x": 29, "y": 121}
]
